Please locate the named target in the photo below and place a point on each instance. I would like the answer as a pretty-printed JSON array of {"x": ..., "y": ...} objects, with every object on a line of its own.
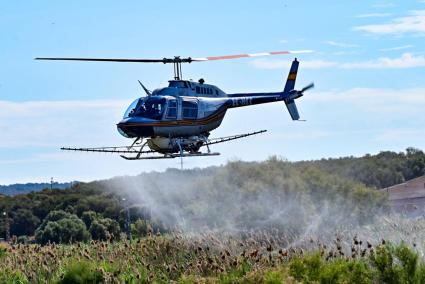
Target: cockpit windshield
[
  {"x": 149, "y": 107},
  {"x": 131, "y": 108}
]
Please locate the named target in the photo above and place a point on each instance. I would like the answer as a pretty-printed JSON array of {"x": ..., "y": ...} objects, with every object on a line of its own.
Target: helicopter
[{"x": 176, "y": 121}]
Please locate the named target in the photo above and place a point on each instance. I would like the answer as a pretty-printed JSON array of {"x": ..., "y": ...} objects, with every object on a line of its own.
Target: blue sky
[{"x": 368, "y": 65}]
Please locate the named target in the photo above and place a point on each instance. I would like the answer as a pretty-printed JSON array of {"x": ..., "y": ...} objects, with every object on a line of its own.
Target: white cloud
[
  {"x": 406, "y": 60},
  {"x": 373, "y": 15},
  {"x": 31, "y": 108},
  {"x": 384, "y": 5},
  {"x": 53, "y": 123},
  {"x": 397, "y": 48},
  {"x": 414, "y": 23},
  {"x": 398, "y": 134},
  {"x": 340, "y": 44},
  {"x": 372, "y": 97},
  {"x": 380, "y": 103}
]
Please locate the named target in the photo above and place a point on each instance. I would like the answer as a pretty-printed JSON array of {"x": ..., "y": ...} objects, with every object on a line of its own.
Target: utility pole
[
  {"x": 6, "y": 226},
  {"x": 51, "y": 183},
  {"x": 128, "y": 221}
]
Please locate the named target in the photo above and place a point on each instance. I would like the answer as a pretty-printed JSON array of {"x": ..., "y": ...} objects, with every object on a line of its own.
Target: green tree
[
  {"x": 24, "y": 222},
  {"x": 105, "y": 229},
  {"x": 88, "y": 217},
  {"x": 140, "y": 228},
  {"x": 99, "y": 231},
  {"x": 61, "y": 227}
]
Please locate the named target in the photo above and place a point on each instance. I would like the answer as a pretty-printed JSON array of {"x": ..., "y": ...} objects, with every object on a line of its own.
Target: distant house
[{"x": 408, "y": 196}]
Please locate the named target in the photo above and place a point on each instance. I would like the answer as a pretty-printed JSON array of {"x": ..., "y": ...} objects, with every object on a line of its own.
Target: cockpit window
[
  {"x": 172, "y": 109},
  {"x": 190, "y": 109},
  {"x": 151, "y": 108}
]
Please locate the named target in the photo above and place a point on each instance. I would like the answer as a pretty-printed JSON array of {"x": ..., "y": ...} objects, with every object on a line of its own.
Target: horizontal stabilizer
[{"x": 292, "y": 109}]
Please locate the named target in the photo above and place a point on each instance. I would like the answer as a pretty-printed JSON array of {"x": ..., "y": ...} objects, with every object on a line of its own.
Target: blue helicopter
[{"x": 176, "y": 121}]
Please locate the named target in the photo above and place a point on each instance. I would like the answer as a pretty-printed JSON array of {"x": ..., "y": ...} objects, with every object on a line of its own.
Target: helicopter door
[
  {"x": 189, "y": 109},
  {"x": 172, "y": 109}
]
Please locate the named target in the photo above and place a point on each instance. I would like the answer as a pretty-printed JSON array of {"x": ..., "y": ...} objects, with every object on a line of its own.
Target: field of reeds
[
  {"x": 248, "y": 257},
  {"x": 269, "y": 222}
]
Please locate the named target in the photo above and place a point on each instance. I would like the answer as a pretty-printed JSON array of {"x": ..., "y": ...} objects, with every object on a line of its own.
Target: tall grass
[{"x": 252, "y": 257}]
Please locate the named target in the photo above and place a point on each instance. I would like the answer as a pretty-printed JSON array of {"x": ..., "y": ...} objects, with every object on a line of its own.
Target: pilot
[{"x": 201, "y": 81}]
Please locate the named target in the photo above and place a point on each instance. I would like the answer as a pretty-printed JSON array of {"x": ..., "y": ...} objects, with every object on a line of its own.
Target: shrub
[
  {"x": 139, "y": 228},
  {"x": 24, "y": 222},
  {"x": 61, "y": 227},
  {"x": 105, "y": 229},
  {"x": 22, "y": 239},
  {"x": 82, "y": 273},
  {"x": 3, "y": 250},
  {"x": 99, "y": 231},
  {"x": 88, "y": 217},
  {"x": 398, "y": 264},
  {"x": 313, "y": 268}
]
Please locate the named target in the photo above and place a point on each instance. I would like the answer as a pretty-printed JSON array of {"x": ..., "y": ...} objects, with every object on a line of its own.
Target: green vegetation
[
  {"x": 61, "y": 227},
  {"x": 211, "y": 258},
  {"x": 239, "y": 195},
  {"x": 382, "y": 170},
  {"x": 273, "y": 222}
]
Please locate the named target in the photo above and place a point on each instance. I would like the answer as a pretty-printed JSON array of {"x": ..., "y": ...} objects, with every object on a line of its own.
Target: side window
[
  {"x": 209, "y": 91},
  {"x": 216, "y": 92},
  {"x": 190, "y": 109},
  {"x": 198, "y": 91},
  {"x": 172, "y": 109}
]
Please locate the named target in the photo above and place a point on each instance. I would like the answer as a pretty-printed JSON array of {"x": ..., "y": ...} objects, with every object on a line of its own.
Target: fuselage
[
  {"x": 187, "y": 109},
  {"x": 182, "y": 109}
]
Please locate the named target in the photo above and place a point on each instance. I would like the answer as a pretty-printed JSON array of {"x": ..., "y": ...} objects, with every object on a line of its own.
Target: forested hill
[
  {"x": 237, "y": 196},
  {"x": 379, "y": 171},
  {"x": 23, "y": 188}
]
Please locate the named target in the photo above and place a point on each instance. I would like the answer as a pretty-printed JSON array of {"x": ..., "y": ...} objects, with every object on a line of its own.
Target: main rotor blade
[
  {"x": 176, "y": 59},
  {"x": 236, "y": 56},
  {"x": 164, "y": 60}
]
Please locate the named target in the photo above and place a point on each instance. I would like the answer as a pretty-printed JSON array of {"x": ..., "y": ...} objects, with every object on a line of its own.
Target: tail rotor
[{"x": 290, "y": 94}]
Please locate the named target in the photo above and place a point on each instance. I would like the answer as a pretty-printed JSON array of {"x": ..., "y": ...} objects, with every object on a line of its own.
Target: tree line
[{"x": 239, "y": 195}]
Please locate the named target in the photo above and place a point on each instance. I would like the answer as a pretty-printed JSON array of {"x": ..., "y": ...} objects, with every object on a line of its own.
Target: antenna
[{"x": 144, "y": 88}]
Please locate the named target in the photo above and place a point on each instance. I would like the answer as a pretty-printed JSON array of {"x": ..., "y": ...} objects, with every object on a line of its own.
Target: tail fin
[
  {"x": 290, "y": 85},
  {"x": 290, "y": 82},
  {"x": 292, "y": 109}
]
